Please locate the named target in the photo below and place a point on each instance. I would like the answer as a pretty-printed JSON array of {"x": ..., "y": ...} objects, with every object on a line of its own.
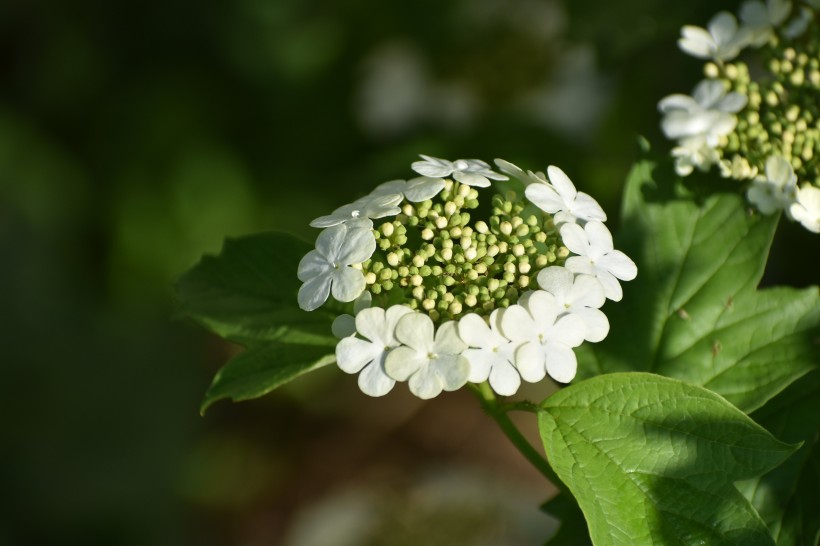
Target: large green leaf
[
  {"x": 695, "y": 312},
  {"x": 652, "y": 460},
  {"x": 786, "y": 498},
  {"x": 248, "y": 292},
  {"x": 261, "y": 369}
]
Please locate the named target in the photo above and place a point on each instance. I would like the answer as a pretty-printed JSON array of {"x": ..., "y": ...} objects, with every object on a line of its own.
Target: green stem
[{"x": 499, "y": 413}]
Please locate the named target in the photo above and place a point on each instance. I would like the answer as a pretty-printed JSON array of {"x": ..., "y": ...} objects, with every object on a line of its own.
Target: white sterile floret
[
  {"x": 327, "y": 270},
  {"x": 491, "y": 355},
  {"x": 518, "y": 173},
  {"x": 760, "y": 19},
  {"x": 708, "y": 113},
  {"x": 368, "y": 355},
  {"x": 563, "y": 200},
  {"x": 543, "y": 337},
  {"x": 345, "y": 325},
  {"x": 596, "y": 256},
  {"x": 362, "y": 211},
  {"x": 722, "y": 40},
  {"x": 806, "y": 208},
  {"x": 415, "y": 190},
  {"x": 431, "y": 361},
  {"x": 776, "y": 190},
  {"x": 579, "y": 295},
  {"x": 472, "y": 172},
  {"x": 694, "y": 152}
]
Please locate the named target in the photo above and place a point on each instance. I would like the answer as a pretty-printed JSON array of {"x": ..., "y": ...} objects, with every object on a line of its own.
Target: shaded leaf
[
  {"x": 695, "y": 301},
  {"x": 652, "y": 460}
]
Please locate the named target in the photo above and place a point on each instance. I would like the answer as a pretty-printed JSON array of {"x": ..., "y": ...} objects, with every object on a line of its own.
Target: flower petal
[
  {"x": 472, "y": 179},
  {"x": 561, "y": 363},
  {"x": 587, "y": 208},
  {"x": 596, "y": 325},
  {"x": 402, "y": 362},
  {"x": 370, "y": 324},
  {"x": 545, "y": 197},
  {"x": 529, "y": 359},
  {"x": 358, "y": 246},
  {"x": 562, "y": 184},
  {"x": 504, "y": 378},
  {"x": 314, "y": 292},
  {"x": 352, "y": 354},
  {"x": 374, "y": 381},
  {"x": 575, "y": 239},
  {"x": 473, "y": 330},
  {"x": 517, "y": 324},
  {"x": 330, "y": 241},
  {"x": 587, "y": 292},
  {"x": 348, "y": 284},
  {"x": 313, "y": 264},
  {"x": 453, "y": 370},
  {"x": 600, "y": 239},
  {"x": 416, "y": 330},
  {"x": 425, "y": 385},
  {"x": 481, "y": 361},
  {"x": 423, "y": 188},
  {"x": 447, "y": 340}
]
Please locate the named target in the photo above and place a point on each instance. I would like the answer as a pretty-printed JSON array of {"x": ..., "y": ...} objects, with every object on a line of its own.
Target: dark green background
[{"x": 135, "y": 136}]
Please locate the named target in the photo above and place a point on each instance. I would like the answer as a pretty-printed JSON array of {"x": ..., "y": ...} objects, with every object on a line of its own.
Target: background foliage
[{"x": 134, "y": 137}]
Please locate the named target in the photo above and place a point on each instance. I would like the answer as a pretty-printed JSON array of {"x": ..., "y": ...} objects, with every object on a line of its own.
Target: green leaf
[
  {"x": 247, "y": 293},
  {"x": 652, "y": 460},
  {"x": 261, "y": 369},
  {"x": 695, "y": 312},
  {"x": 786, "y": 498}
]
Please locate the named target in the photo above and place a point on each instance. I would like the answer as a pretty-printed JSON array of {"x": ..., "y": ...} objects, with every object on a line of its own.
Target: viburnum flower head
[{"x": 443, "y": 298}]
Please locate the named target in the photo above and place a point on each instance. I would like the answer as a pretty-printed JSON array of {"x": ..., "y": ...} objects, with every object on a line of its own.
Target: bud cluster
[{"x": 454, "y": 265}]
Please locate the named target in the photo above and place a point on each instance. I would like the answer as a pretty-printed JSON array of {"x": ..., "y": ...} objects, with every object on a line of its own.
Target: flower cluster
[
  {"x": 763, "y": 132},
  {"x": 441, "y": 298}
]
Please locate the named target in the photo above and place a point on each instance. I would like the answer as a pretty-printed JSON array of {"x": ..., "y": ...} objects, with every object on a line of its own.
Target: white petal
[
  {"x": 612, "y": 288},
  {"x": 348, "y": 284},
  {"x": 600, "y": 239},
  {"x": 416, "y": 330},
  {"x": 374, "y": 381},
  {"x": 543, "y": 308},
  {"x": 330, "y": 241},
  {"x": 677, "y": 102},
  {"x": 447, "y": 340},
  {"x": 370, "y": 324},
  {"x": 312, "y": 265},
  {"x": 708, "y": 92},
  {"x": 314, "y": 292},
  {"x": 504, "y": 378},
  {"x": 569, "y": 330},
  {"x": 529, "y": 359},
  {"x": 517, "y": 324},
  {"x": 433, "y": 167},
  {"x": 352, "y": 354},
  {"x": 561, "y": 363},
  {"x": 425, "y": 384},
  {"x": 473, "y": 330},
  {"x": 562, "y": 184},
  {"x": 556, "y": 280},
  {"x": 402, "y": 362},
  {"x": 581, "y": 265},
  {"x": 545, "y": 198},
  {"x": 696, "y": 42},
  {"x": 732, "y": 102},
  {"x": 481, "y": 361},
  {"x": 587, "y": 292},
  {"x": 619, "y": 264},
  {"x": 390, "y": 187},
  {"x": 472, "y": 179},
  {"x": 596, "y": 325},
  {"x": 423, "y": 188},
  {"x": 358, "y": 246},
  {"x": 575, "y": 239},
  {"x": 723, "y": 27},
  {"x": 587, "y": 208},
  {"x": 453, "y": 370}
]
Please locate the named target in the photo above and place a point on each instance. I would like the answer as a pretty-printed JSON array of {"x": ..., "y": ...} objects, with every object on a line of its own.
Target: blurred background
[{"x": 135, "y": 136}]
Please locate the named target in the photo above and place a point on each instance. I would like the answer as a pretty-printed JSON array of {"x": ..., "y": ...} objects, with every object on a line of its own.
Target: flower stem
[{"x": 499, "y": 413}]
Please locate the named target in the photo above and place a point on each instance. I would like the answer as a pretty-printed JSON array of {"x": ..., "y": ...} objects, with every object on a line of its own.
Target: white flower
[
  {"x": 544, "y": 338},
  {"x": 367, "y": 356},
  {"x": 431, "y": 363},
  {"x": 708, "y": 113},
  {"x": 562, "y": 199},
  {"x": 415, "y": 190},
  {"x": 518, "y": 173},
  {"x": 361, "y": 211},
  {"x": 722, "y": 41},
  {"x": 806, "y": 209},
  {"x": 327, "y": 269},
  {"x": 345, "y": 325},
  {"x": 694, "y": 152},
  {"x": 776, "y": 190},
  {"x": 597, "y": 257},
  {"x": 579, "y": 295},
  {"x": 491, "y": 355},
  {"x": 760, "y": 18},
  {"x": 472, "y": 172}
]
